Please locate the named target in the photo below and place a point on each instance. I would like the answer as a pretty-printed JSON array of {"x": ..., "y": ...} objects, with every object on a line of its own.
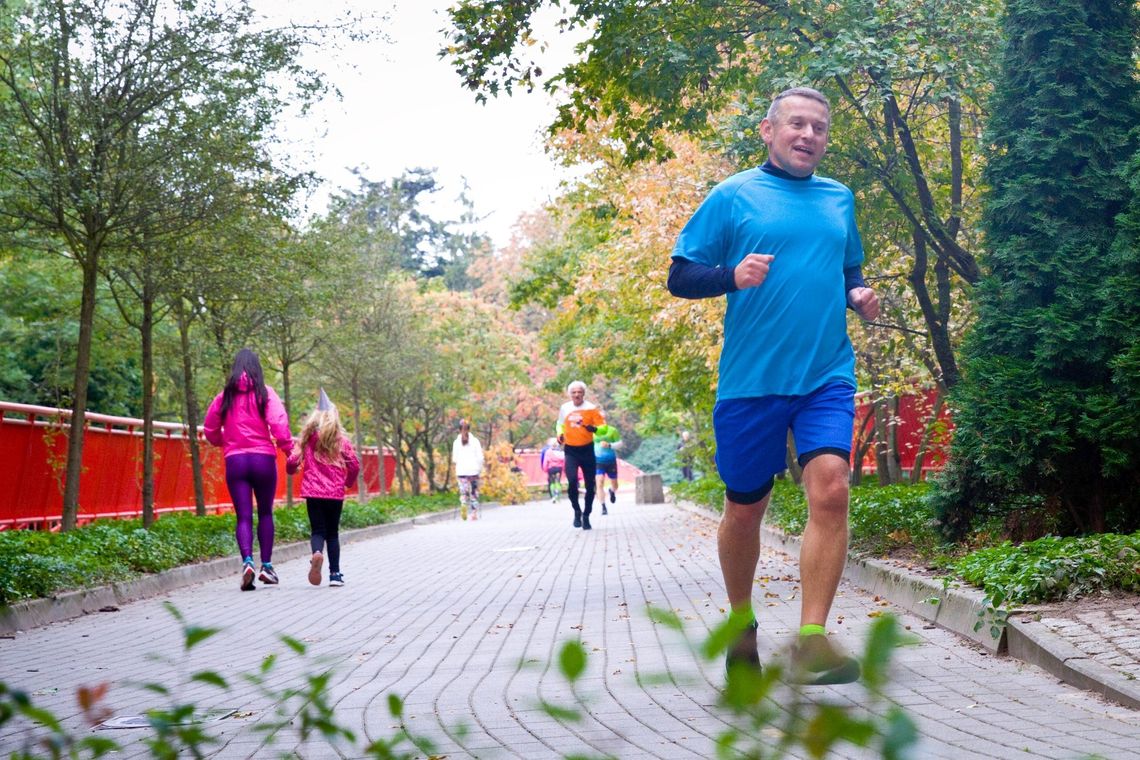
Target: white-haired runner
[{"x": 578, "y": 419}]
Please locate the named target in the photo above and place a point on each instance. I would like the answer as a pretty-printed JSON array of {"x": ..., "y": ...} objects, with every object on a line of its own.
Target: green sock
[
  {"x": 745, "y": 617},
  {"x": 811, "y": 629}
]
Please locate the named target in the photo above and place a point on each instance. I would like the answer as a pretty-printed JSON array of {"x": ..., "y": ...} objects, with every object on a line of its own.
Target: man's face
[
  {"x": 797, "y": 137},
  {"x": 578, "y": 395}
]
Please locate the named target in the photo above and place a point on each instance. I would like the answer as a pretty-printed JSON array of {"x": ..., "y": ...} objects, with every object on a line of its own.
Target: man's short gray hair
[
  {"x": 576, "y": 384},
  {"x": 803, "y": 92}
]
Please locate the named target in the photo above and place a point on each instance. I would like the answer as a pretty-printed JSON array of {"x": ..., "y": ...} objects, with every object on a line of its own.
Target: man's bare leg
[
  {"x": 823, "y": 554},
  {"x": 738, "y": 543}
]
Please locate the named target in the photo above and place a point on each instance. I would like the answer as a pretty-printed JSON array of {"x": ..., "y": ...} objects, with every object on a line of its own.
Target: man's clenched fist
[{"x": 752, "y": 270}]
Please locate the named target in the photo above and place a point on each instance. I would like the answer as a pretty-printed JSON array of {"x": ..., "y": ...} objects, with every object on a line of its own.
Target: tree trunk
[
  {"x": 146, "y": 328},
  {"x": 863, "y": 440},
  {"x": 361, "y": 487},
  {"x": 398, "y": 450},
  {"x": 790, "y": 459},
  {"x": 79, "y": 391},
  {"x": 894, "y": 468},
  {"x": 430, "y": 459},
  {"x": 191, "y": 399},
  {"x": 416, "y": 489},
  {"x": 924, "y": 442},
  {"x": 286, "y": 399},
  {"x": 382, "y": 468},
  {"x": 882, "y": 470},
  {"x": 936, "y": 316}
]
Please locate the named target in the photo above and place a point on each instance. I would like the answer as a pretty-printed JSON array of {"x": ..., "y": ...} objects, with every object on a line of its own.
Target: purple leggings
[{"x": 249, "y": 477}]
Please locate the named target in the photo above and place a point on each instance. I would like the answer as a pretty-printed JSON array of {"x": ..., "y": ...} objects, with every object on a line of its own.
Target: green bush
[
  {"x": 1053, "y": 568},
  {"x": 881, "y": 518},
  {"x": 658, "y": 454},
  {"x": 707, "y": 491}
]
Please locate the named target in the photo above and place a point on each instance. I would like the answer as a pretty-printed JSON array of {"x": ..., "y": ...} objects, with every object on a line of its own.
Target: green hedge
[
  {"x": 883, "y": 519},
  {"x": 1053, "y": 568}
]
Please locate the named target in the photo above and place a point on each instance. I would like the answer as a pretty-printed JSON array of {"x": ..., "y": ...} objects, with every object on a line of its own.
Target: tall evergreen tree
[{"x": 1035, "y": 409}]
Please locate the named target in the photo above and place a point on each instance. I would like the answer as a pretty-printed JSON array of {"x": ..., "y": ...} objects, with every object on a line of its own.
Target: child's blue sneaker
[{"x": 336, "y": 579}]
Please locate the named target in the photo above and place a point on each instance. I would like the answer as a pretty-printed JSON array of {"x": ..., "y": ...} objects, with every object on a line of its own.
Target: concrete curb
[
  {"x": 34, "y": 613},
  {"x": 1031, "y": 641},
  {"x": 958, "y": 610}
]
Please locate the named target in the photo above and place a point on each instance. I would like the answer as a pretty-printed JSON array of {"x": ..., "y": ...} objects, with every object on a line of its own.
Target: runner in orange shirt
[{"x": 577, "y": 421}]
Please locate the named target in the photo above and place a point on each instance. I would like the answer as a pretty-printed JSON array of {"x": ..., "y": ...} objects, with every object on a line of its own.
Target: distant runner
[
  {"x": 606, "y": 441},
  {"x": 577, "y": 421}
]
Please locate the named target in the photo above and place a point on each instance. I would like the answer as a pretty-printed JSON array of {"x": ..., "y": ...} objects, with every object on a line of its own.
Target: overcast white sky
[{"x": 404, "y": 107}]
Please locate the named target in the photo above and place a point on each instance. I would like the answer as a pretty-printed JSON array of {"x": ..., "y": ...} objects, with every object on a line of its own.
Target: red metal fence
[
  {"x": 33, "y": 459},
  {"x": 908, "y": 424}
]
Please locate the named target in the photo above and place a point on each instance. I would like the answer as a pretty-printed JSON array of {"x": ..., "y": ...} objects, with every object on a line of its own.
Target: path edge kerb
[
  {"x": 33, "y": 613},
  {"x": 956, "y": 610}
]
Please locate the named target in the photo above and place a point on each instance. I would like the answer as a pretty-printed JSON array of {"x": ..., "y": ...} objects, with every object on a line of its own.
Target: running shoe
[
  {"x": 585, "y": 522},
  {"x": 463, "y": 511},
  {"x": 474, "y": 513},
  {"x": 604, "y": 510},
  {"x": 336, "y": 579},
  {"x": 577, "y": 518},
  {"x": 613, "y": 496},
  {"x": 315, "y": 564},
  {"x": 267, "y": 575},
  {"x": 247, "y": 575},
  {"x": 742, "y": 656},
  {"x": 815, "y": 661}
]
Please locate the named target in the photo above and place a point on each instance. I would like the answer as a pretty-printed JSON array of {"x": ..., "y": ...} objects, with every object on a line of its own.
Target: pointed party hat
[{"x": 323, "y": 403}]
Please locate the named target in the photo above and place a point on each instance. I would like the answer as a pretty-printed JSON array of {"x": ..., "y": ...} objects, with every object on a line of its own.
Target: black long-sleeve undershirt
[{"x": 688, "y": 279}]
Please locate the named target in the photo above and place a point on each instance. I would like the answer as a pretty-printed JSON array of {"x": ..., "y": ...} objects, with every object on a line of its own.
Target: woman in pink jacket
[
  {"x": 331, "y": 466},
  {"x": 249, "y": 422}
]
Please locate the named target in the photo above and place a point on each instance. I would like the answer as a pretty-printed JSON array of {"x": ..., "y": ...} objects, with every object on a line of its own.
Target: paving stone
[{"x": 466, "y": 620}]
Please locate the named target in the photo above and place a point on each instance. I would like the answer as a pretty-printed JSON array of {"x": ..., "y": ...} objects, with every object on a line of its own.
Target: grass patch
[{"x": 38, "y": 564}]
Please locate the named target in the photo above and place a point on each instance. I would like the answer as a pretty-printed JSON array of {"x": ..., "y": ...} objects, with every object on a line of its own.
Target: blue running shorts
[{"x": 751, "y": 435}]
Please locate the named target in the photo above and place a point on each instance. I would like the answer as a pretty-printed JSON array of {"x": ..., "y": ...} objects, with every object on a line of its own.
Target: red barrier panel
[
  {"x": 33, "y": 450},
  {"x": 910, "y": 423}
]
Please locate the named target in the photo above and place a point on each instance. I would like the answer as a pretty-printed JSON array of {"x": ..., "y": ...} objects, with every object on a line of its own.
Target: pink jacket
[
  {"x": 243, "y": 431},
  {"x": 552, "y": 458},
  {"x": 322, "y": 480}
]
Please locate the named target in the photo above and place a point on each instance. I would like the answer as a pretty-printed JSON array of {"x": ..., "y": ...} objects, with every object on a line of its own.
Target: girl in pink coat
[
  {"x": 249, "y": 422},
  {"x": 330, "y": 467}
]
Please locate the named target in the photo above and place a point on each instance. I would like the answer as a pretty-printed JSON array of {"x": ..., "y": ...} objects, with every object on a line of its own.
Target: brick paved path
[{"x": 463, "y": 620}]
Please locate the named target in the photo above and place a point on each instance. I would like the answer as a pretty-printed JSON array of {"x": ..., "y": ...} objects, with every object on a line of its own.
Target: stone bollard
[{"x": 650, "y": 490}]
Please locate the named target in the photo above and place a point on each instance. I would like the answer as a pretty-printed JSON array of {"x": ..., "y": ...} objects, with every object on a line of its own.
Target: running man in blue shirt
[{"x": 781, "y": 243}]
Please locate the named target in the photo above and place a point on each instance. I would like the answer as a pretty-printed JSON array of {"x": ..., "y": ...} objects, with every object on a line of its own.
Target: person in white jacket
[{"x": 467, "y": 454}]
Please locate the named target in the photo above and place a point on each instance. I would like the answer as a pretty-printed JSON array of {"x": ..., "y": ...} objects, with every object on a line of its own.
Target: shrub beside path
[{"x": 463, "y": 620}]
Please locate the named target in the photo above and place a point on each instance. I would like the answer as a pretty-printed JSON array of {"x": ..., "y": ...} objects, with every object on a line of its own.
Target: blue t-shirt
[
  {"x": 604, "y": 454},
  {"x": 788, "y": 336}
]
